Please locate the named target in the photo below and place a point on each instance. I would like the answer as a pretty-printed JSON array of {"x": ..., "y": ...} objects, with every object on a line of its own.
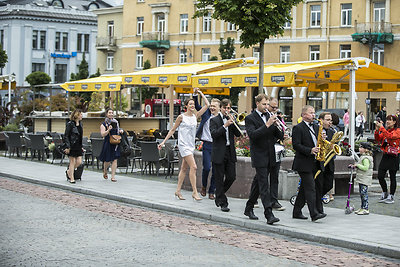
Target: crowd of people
[{"x": 264, "y": 128}]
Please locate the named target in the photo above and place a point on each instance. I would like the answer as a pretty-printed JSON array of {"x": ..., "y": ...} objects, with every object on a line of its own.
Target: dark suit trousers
[
  {"x": 306, "y": 193},
  {"x": 323, "y": 184},
  {"x": 260, "y": 186},
  {"x": 227, "y": 169}
]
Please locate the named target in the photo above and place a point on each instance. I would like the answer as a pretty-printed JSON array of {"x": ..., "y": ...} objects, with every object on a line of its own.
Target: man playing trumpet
[{"x": 263, "y": 133}]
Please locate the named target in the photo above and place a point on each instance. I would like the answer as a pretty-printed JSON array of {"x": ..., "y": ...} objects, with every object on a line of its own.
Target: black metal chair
[
  {"x": 135, "y": 155},
  {"x": 7, "y": 139},
  {"x": 38, "y": 145},
  {"x": 96, "y": 145},
  {"x": 88, "y": 151},
  {"x": 150, "y": 155},
  {"x": 28, "y": 144},
  {"x": 172, "y": 158},
  {"x": 96, "y": 135},
  {"x": 15, "y": 143}
]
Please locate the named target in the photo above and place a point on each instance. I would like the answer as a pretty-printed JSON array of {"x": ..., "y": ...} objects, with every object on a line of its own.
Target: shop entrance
[{"x": 376, "y": 104}]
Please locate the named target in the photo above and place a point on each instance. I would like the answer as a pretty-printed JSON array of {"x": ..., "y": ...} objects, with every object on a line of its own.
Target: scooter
[{"x": 349, "y": 209}]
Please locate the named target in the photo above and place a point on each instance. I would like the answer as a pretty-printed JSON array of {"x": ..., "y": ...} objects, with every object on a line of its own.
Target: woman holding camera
[
  {"x": 110, "y": 153},
  {"x": 389, "y": 139}
]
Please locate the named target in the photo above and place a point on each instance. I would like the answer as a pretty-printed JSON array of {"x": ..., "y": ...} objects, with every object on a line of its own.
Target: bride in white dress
[{"x": 187, "y": 123}]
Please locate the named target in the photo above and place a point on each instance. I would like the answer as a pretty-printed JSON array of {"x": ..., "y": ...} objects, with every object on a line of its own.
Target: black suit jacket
[
  {"x": 302, "y": 143},
  {"x": 218, "y": 134},
  {"x": 262, "y": 140}
]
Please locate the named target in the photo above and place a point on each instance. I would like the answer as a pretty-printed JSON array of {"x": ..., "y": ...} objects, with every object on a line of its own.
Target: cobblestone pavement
[{"x": 235, "y": 247}]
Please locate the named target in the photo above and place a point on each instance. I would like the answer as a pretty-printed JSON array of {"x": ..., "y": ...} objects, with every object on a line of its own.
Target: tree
[
  {"x": 37, "y": 78},
  {"x": 3, "y": 58},
  {"x": 97, "y": 74},
  {"x": 213, "y": 58},
  {"x": 257, "y": 19},
  {"x": 147, "y": 65},
  {"x": 83, "y": 72},
  {"x": 227, "y": 50}
]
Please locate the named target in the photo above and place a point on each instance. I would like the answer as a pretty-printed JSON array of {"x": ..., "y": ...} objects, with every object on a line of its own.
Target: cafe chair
[
  {"x": 38, "y": 145},
  {"x": 96, "y": 147},
  {"x": 15, "y": 143},
  {"x": 150, "y": 156}
]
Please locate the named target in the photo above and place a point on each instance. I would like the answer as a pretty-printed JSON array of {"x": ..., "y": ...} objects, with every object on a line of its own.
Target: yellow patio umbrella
[{"x": 98, "y": 84}]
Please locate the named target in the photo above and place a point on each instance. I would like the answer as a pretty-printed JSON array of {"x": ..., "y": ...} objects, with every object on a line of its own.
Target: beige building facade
[{"x": 164, "y": 32}]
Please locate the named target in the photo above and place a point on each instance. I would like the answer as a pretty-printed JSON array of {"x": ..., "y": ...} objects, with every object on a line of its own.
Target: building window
[
  {"x": 61, "y": 41},
  {"x": 285, "y": 54},
  {"x": 160, "y": 57},
  {"x": 110, "y": 28},
  {"x": 315, "y": 16},
  {"x": 314, "y": 52},
  {"x": 314, "y": 99},
  {"x": 288, "y": 23},
  {"x": 205, "y": 54},
  {"x": 110, "y": 61},
  {"x": 38, "y": 39},
  {"x": 38, "y": 67},
  {"x": 161, "y": 22},
  {"x": 83, "y": 43},
  {"x": 230, "y": 27},
  {"x": 60, "y": 75},
  {"x": 2, "y": 38},
  {"x": 345, "y": 51},
  {"x": 139, "y": 59},
  {"x": 342, "y": 99},
  {"x": 346, "y": 15},
  {"x": 256, "y": 52},
  {"x": 140, "y": 1},
  {"x": 140, "y": 25},
  {"x": 379, "y": 11},
  {"x": 378, "y": 54},
  {"x": 182, "y": 55},
  {"x": 184, "y": 24},
  {"x": 207, "y": 23},
  {"x": 285, "y": 98}
]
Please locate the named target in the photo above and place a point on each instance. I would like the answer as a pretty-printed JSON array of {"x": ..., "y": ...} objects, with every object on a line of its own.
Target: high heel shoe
[
  {"x": 196, "y": 197},
  {"x": 179, "y": 196}
]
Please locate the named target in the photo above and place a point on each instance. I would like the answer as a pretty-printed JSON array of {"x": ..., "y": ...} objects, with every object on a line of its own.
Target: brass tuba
[{"x": 327, "y": 149}]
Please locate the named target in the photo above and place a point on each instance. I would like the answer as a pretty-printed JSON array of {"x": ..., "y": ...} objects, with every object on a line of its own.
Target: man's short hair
[
  {"x": 225, "y": 102},
  {"x": 323, "y": 114},
  {"x": 305, "y": 108},
  {"x": 260, "y": 97},
  {"x": 216, "y": 100}
]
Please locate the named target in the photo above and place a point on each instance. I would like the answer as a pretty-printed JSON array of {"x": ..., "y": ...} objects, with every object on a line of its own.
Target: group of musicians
[{"x": 217, "y": 130}]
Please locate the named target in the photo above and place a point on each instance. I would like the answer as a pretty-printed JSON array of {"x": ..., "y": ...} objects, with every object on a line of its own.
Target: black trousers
[
  {"x": 306, "y": 193},
  {"x": 225, "y": 175},
  {"x": 261, "y": 186},
  {"x": 323, "y": 184}
]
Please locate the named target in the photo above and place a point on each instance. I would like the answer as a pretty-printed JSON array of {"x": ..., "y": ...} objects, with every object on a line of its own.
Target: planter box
[{"x": 288, "y": 180}]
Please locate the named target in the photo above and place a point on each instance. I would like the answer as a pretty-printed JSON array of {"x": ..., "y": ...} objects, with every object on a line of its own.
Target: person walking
[
  {"x": 304, "y": 140},
  {"x": 389, "y": 139},
  {"x": 381, "y": 116},
  {"x": 346, "y": 122},
  {"x": 73, "y": 143},
  {"x": 360, "y": 121},
  {"x": 223, "y": 155},
  {"x": 110, "y": 153},
  {"x": 364, "y": 170},
  {"x": 204, "y": 134},
  {"x": 187, "y": 123},
  {"x": 263, "y": 134}
]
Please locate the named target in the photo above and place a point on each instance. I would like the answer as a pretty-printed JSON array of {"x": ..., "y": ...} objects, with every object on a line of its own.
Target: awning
[
  {"x": 98, "y": 84},
  {"x": 4, "y": 85},
  {"x": 322, "y": 75},
  {"x": 179, "y": 75}
]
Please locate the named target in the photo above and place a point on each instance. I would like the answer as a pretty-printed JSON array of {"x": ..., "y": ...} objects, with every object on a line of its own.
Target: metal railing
[
  {"x": 158, "y": 36},
  {"x": 105, "y": 41},
  {"x": 374, "y": 27}
]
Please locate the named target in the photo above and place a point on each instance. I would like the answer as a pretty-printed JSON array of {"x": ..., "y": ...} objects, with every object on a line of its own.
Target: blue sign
[{"x": 55, "y": 55}]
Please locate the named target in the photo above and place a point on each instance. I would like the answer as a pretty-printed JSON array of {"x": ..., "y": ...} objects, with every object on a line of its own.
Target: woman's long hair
[
  {"x": 393, "y": 118},
  {"x": 75, "y": 114}
]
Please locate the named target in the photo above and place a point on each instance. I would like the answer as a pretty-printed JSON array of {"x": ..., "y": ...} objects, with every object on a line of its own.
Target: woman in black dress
[
  {"x": 110, "y": 153},
  {"x": 73, "y": 142}
]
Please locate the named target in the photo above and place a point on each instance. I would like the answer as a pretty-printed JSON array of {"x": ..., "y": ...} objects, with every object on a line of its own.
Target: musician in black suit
[
  {"x": 223, "y": 155},
  {"x": 324, "y": 181},
  {"x": 304, "y": 141},
  {"x": 262, "y": 132}
]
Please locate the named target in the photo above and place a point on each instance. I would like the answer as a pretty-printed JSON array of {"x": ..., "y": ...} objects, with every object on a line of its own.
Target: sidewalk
[{"x": 378, "y": 234}]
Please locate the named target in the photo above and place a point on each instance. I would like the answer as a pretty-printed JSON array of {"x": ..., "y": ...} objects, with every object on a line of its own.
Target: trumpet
[{"x": 239, "y": 120}]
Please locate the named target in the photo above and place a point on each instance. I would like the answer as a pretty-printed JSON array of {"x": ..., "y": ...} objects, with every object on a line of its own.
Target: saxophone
[{"x": 327, "y": 149}]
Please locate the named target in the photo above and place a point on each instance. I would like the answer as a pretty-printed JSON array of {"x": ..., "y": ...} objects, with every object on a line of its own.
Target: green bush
[{"x": 11, "y": 127}]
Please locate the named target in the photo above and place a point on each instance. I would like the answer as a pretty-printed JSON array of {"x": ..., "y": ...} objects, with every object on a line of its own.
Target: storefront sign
[
  {"x": 55, "y": 55},
  {"x": 250, "y": 80},
  {"x": 145, "y": 79},
  {"x": 163, "y": 79},
  {"x": 277, "y": 79},
  {"x": 182, "y": 79},
  {"x": 226, "y": 81},
  {"x": 203, "y": 81}
]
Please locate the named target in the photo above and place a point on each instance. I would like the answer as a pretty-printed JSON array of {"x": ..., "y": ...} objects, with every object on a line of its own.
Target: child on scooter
[{"x": 364, "y": 169}]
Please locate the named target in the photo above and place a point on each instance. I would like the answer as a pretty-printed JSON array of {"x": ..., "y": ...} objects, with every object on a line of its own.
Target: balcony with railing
[
  {"x": 373, "y": 32},
  {"x": 106, "y": 43},
  {"x": 155, "y": 40}
]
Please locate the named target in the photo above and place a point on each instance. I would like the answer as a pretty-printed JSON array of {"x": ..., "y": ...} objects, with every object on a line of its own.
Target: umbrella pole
[
  {"x": 171, "y": 106},
  {"x": 140, "y": 101},
  {"x": 352, "y": 86}
]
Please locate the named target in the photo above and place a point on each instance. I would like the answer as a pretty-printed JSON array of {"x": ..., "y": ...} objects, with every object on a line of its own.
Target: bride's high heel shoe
[
  {"x": 196, "y": 197},
  {"x": 179, "y": 196}
]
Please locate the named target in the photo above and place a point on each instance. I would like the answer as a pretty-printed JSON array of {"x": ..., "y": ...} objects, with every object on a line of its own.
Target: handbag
[
  {"x": 393, "y": 151},
  {"x": 115, "y": 139}
]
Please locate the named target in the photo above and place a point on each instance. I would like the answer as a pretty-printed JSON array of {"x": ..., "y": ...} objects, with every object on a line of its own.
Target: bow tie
[
  {"x": 226, "y": 117},
  {"x": 265, "y": 114}
]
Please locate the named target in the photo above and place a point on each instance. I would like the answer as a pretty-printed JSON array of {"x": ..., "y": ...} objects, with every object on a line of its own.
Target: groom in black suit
[
  {"x": 223, "y": 155},
  {"x": 262, "y": 132},
  {"x": 304, "y": 140}
]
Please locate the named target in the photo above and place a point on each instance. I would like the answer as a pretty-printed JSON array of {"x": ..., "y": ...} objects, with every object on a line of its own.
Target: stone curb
[{"x": 285, "y": 231}]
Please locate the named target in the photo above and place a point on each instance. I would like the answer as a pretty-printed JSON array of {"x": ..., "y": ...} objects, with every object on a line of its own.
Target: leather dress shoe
[
  {"x": 225, "y": 208},
  {"x": 251, "y": 215},
  {"x": 300, "y": 216},
  {"x": 211, "y": 196},
  {"x": 318, "y": 216},
  {"x": 272, "y": 219},
  {"x": 278, "y": 206},
  {"x": 203, "y": 191}
]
